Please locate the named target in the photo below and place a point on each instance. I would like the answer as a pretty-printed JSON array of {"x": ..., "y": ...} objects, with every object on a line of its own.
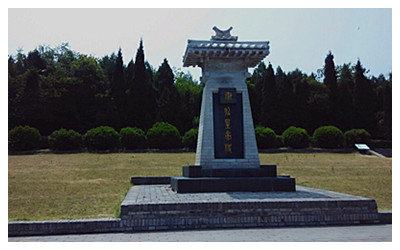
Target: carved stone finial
[{"x": 223, "y": 34}]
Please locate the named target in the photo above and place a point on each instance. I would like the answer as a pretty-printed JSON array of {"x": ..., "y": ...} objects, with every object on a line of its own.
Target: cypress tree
[
  {"x": 129, "y": 72},
  {"x": 269, "y": 98},
  {"x": 117, "y": 90},
  {"x": 387, "y": 110},
  {"x": 285, "y": 101},
  {"x": 345, "y": 99},
  {"x": 300, "y": 108},
  {"x": 297, "y": 104},
  {"x": 258, "y": 79},
  {"x": 142, "y": 101},
  {"x": 330, "y": 81},
  {"x": 166, "y": 94},
  {"x": 363, "y": 100},
  {"x": 330, "y": 75},
  {"x": 139, "y": 67}
]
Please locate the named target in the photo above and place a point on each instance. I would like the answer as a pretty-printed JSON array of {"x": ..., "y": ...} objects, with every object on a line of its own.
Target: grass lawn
[{"x": 72, "y": 186}]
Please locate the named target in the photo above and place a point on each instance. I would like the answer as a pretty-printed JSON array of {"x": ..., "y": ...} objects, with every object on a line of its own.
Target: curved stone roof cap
[{"x": 198, "y": 50}]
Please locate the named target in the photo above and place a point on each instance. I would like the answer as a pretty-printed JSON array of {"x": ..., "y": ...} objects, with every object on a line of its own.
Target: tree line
[
  {"x": 53, "y": 88},
  {"x": 342, "y": 96}
]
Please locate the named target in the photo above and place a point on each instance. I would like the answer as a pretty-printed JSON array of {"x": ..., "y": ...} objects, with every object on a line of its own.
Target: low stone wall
[
  {"x": 385, "y": 217},
  {"x": 51, "y": 227}
]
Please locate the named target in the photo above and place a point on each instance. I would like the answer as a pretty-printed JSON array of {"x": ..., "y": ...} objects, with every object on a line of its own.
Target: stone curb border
[
  {"x": 54, "y": 227},
  {"x": 103, "y": 225}
]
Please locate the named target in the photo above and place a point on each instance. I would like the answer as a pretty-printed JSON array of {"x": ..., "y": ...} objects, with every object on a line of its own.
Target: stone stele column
[
  {"x": 227, "y": 156},
  {"x": 226, "y": 136}
]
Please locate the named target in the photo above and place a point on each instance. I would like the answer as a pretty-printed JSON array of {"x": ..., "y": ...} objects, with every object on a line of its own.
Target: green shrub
[
  {"x": 101, "y": 138},
  {"x": 65, "y": 140},
  {"x": 132, "y": 138},
  {"x": 328, "y": 137},
  {"x": 265, "y": 137},
  {"x": 163, "y": 136},
  {"x": 296, "y": 137},
  {"x": 354, "y": 136},
  {"x": 189, "y": 139},
  {"x": 23, "y": 138}
]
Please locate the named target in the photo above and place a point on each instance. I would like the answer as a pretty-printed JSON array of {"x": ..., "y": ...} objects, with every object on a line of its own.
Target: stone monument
[{"x": 226, "y": 155}]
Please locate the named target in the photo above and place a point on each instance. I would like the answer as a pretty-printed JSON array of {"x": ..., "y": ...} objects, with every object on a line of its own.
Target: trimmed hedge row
[
  {"x": 101, "y": 138},
  {"x": 328, "y": 137},
  {"x": 294, "y": 137},
  {"x": 104, "y": 138},
  {"x": 23, "y": 138},
  {"x": 132, "y": 138},
  {"x": 189, "y": 139},
  {"x": 265, "y": 137},
  {"x": 323, "y": 137},
  {"x": 62, "y": 140},
  {"x": 165, "y": 136}
]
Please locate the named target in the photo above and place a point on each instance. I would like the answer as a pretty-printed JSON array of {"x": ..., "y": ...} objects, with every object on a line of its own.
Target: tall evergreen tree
[
  {"x": 363, "y": 100},
  {"x": 142, "y": 98},
  {"x": 129, "y": 72},
  {"x": 139, "y": 67},
  {"x": 387, "y": 110},
  {"x": 345, "y": 99},
  {"x": 279, "y": 79},
  {"x": 300, "y": 97},
  {"x": 298, "y": 102},
  {"x": 108, "y": 63},
  {"x": 257, "y": 96},
  {"x": 285, "y": 101},
  {"x": 167, "y": 94},
  {"x": 269, "y": 98},
  {"x": 117, "y": 90},
  {"x": 318, "y": 104},
  {"x": 330, "y": 80}
]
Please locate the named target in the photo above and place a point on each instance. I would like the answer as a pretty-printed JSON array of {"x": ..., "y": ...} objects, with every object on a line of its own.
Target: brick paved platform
[{"x": 158, "y": 207}]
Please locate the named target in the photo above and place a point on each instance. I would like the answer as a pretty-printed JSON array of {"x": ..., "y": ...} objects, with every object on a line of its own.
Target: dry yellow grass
[
  {"x": 70, "y": 186},
  {"x": 362, "y": 175}
]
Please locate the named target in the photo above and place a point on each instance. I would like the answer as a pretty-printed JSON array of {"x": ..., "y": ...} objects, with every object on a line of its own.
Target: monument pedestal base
[
  {"x": 196, "y": 179},
  {"x": 232, "y": 184},
  {"x": 305, "y": 207}
]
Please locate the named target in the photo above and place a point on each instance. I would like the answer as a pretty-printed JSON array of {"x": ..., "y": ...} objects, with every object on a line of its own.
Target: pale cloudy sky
[{"x": 299, "y": 38}]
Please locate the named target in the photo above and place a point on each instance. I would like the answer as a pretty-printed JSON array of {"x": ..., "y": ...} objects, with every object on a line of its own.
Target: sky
[{"x": 299, "y": 38}]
